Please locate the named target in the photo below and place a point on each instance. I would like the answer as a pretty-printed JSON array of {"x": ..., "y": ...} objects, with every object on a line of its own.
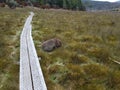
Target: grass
[
  {"x": 11, "y": 24},
  {"x": 90, "y": 43}
]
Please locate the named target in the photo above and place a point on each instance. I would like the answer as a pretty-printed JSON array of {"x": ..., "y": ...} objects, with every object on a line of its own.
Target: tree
[
  {"x": 64, "y": 4},
  {"x": 41, "y": 2}
]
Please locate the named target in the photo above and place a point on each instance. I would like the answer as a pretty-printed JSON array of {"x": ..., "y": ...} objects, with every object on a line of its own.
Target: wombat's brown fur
[{"x": 51, "y": 44}]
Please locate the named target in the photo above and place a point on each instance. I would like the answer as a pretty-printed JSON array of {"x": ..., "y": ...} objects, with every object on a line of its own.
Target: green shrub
[{"x": 12, "y": 4}]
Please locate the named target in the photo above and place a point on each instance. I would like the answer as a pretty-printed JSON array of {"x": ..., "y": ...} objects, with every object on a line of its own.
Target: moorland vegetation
[
  {"x": 86, "y": 60},
  {"x": 90, "y": 45}
]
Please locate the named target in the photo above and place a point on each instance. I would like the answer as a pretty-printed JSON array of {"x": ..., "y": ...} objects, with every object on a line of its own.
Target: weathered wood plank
[
  {"x": 37, "y": 76},
  {"x": 25, "y": 74},
  {"x": 31, "y": 77}
]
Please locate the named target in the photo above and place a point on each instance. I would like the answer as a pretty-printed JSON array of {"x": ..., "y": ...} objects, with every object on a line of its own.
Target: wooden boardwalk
[{"x": 31, "y": 77}]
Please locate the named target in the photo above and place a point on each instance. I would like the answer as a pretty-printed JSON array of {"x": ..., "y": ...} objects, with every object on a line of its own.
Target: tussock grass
[{"x": 90, "y": 41}]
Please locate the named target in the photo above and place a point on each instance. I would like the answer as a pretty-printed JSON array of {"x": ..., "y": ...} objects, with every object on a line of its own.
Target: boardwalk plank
[
  {"x": 25, "y": 75},
  {"x": 31, "y": 77},
  {"x": 37, "y": 75}
]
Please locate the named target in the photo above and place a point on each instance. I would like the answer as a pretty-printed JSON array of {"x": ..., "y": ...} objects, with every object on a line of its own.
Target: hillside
[
  {"x": 98, "y": 5},
  {"x": 86, "y": 60}
]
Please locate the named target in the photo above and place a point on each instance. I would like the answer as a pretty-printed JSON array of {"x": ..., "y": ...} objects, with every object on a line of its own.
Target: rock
[{"x": 51, "y": 44}]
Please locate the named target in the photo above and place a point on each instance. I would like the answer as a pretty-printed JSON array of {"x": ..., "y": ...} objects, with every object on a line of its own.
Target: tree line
[{"x": 65, "y": 4}]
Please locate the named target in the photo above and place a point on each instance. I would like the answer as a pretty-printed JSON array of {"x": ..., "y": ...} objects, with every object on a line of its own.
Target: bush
[{"x": 12, "y": 4}]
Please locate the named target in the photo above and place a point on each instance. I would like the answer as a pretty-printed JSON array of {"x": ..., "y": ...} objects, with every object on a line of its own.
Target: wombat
[{"x": 51, "y": 44}]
